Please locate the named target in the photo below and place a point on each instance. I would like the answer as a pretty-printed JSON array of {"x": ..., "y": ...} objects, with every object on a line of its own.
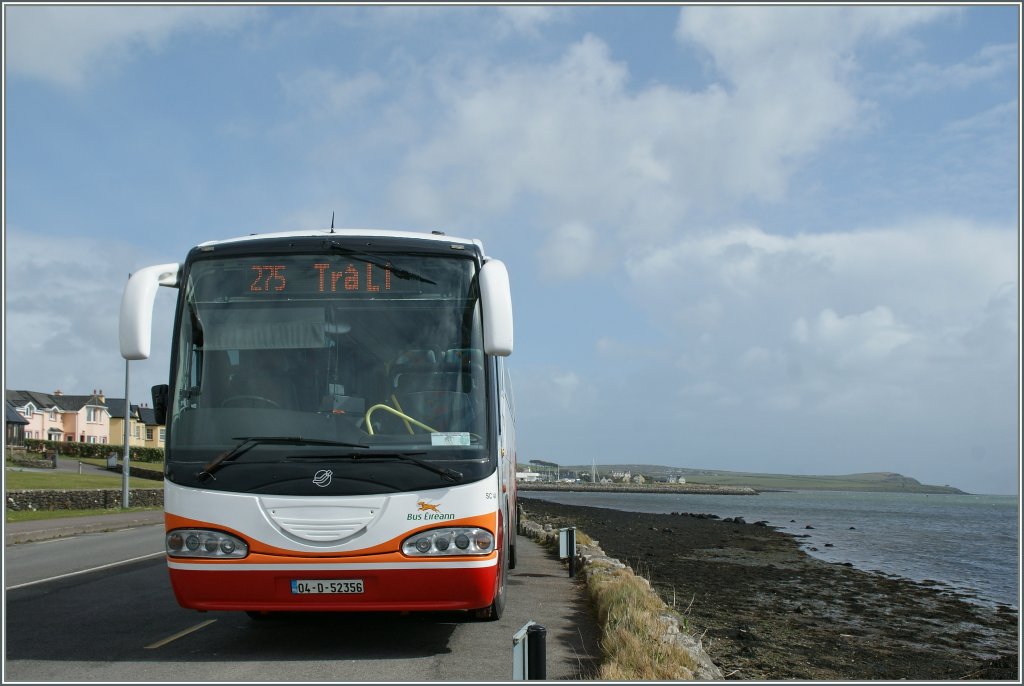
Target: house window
[
  {"x": 149, "y": 434},
  {"x": 163, "y": 434}
]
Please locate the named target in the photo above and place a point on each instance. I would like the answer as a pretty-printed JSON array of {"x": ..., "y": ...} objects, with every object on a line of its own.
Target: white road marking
[
  {"x": 85, "y": 571},
  {"x": 175, "y": 637}
]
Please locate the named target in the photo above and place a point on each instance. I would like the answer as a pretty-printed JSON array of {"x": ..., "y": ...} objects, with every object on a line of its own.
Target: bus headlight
[
  {"x": 204, "y": 543},
  {"x": 439, "y": 542}
]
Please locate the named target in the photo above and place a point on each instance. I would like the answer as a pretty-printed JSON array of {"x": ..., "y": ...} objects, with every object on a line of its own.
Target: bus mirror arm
[{"x": 136, "y": 321}]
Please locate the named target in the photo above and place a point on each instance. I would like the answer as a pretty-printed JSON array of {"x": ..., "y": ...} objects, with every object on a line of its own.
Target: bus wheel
[
  {"x": 497, "y": 607},
  {"x": 494, "y": 612}
]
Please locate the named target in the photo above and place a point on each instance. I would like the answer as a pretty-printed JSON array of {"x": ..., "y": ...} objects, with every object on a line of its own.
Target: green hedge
[{"x": 96, "y": 450}]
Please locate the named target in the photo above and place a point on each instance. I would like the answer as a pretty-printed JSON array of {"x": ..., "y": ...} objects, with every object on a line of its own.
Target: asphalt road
[{"x": 76, "y": 611}]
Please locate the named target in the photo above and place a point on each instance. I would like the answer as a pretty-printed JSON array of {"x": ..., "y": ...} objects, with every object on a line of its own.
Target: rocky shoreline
[{"x": 765, "y": 610}]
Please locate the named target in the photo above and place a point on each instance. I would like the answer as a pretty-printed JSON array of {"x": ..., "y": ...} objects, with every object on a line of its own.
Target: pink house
[{"x": 59, "y": 417}]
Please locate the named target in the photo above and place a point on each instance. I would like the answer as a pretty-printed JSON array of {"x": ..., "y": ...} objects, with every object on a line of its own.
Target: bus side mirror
[
  {"x": 135, "y": 327},
  {"x": 496, "y": 300},
  {"x": 160, "y": 403}
]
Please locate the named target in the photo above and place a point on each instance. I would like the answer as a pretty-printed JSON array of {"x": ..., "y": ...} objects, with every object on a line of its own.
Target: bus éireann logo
[
  {"x": 323, "y": 478},
  {"x": 429, "y": 512}
]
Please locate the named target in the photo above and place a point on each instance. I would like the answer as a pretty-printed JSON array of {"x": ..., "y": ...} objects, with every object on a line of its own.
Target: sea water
[{"x": 967, "y": 542}]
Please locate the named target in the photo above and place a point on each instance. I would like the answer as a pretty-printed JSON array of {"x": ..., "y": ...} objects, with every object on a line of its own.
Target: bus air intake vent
[{"x": 322, "y": 522}]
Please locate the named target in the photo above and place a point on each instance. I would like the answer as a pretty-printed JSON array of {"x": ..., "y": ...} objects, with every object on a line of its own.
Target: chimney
[{"x": 103, "y": 398}]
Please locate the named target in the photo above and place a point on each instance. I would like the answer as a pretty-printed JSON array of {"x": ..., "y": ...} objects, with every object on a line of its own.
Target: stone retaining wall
[
  {"x": 100, "y": 499},
  {"x": 592, "y": 560},
  {"x": 140, "y": 472}
]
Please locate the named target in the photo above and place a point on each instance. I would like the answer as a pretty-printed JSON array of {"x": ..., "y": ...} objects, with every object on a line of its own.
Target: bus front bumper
[{"x": 402, "y": 587}]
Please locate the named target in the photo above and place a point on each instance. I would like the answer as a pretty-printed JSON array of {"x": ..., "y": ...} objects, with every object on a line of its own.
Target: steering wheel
[{"x": 237, "y": 400}]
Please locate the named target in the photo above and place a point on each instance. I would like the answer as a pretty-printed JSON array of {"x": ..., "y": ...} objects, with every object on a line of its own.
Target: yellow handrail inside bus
[
  {"x": 399, "y": 408},
  {"x": 381, "y": 406}
]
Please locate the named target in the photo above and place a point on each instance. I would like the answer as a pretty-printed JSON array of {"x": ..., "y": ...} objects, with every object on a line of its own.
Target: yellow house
[{"x": 143, "y": 431}]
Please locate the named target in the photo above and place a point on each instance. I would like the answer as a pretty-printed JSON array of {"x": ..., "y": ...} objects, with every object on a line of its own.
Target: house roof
[
  {"x": 147, "y": 415},
  {"x": 74, "y": 403},
  {"x": 116, "y": 408},
  {"x": 13, "y": 416},
  {"x": 43, "y": 401},
  {"x": 47, "y": 401}
]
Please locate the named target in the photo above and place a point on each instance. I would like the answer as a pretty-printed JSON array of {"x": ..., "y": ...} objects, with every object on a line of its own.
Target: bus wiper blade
[
  {"x": 370, "y": 259},
  {"x": 445, "y": 473},
  {"x": 250, "y": 442}
]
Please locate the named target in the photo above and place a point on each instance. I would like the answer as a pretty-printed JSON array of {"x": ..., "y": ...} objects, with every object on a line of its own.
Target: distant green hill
[{"x": 869, "y": 481}]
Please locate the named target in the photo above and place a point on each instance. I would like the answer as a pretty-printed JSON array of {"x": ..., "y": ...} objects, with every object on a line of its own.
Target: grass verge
[{"x": 64, "y": 481}]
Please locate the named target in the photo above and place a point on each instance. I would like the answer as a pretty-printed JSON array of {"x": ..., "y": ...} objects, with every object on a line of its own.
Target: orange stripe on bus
[{"x": 383, "y": 552}]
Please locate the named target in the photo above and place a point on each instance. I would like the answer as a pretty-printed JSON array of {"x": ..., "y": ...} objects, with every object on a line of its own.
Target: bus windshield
[{"x": 370, "y": 366}]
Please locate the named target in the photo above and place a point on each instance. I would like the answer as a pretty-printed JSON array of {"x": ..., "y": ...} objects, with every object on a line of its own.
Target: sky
[{"x": 777, "y": 239}]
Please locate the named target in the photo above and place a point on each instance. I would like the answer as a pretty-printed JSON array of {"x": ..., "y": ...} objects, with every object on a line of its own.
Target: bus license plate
[{"x": 327, "y": 585}]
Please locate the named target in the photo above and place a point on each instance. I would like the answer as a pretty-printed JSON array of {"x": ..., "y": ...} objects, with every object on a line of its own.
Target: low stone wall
[
  {"x": 592, "y": 560},
  {"x": 100, "y": 499},
  {"x": 140, "y": 472},
  {"x": 33, "y": 463}
]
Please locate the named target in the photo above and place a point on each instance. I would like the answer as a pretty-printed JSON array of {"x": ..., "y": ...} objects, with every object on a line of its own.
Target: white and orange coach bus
[{"x": 340, "y": 423}]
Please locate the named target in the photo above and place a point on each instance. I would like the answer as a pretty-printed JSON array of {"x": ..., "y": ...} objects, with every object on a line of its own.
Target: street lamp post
[{"x": 126, "y": 473}]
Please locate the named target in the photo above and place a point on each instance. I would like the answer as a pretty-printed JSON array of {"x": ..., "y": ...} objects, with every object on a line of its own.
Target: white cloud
[
  {"x": 578, "y": 141},
  {"x": 569, "y": 251},
  {"x": 67, "y": 45},
  {"x": 528, "y": 19},
  {"x": 855, "y": 339},
  {"x": 821, "y": 315},
  {"x": 62, "y": 308},
  {"x": 990, "y": 62}
]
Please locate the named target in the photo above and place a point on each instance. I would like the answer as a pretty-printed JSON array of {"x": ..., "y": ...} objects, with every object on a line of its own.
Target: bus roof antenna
[{"x": 332, "y": 221}]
